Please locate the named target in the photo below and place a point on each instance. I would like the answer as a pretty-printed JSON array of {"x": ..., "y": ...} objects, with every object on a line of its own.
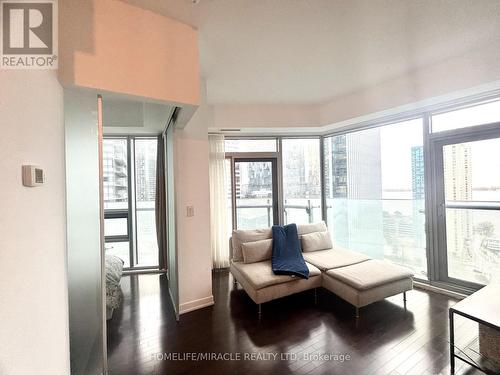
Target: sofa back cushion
[
  {"x": 257, "y": 251},
  {"x": 316, "y": 241},
  {"x": 241, "y": 236},
  {"x": 310, "y": 228}
]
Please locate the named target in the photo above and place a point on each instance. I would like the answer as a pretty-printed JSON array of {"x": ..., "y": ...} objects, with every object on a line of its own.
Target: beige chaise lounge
[{"x": 350, "y": 275}]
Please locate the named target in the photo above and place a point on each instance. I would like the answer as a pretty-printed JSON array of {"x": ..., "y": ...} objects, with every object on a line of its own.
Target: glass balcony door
[
  {"x": 468, "y": 199},
  {"x": 255, "y": 192},
  {"x": 145, "y": 197},
  {"x": 129, "y": 185}
]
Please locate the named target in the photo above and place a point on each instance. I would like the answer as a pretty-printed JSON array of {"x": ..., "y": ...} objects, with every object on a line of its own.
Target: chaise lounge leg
[
  {"x": 357, "y": 312},
  {"x": 315, "y": 296},
  {"x": 260, "y": 310},
  {"x": 404, "y": 299}
]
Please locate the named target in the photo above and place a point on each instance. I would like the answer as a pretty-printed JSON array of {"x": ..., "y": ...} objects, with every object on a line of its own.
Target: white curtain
[{"x": 218, "y": 206}]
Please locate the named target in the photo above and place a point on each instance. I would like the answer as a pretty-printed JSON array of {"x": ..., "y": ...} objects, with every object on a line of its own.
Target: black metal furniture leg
[{"x": 452, "y": 344}]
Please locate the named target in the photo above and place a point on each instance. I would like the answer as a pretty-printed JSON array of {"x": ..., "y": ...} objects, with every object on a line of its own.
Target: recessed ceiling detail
[{"x": 284, "y": 51}]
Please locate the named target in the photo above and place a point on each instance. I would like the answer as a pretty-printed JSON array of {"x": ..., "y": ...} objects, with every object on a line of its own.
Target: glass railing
[
  {"x": 258, "y": 212},
  {"x": 254, "y": 213},
  {"x": 390, "y": 229},
  {"x": 147, "y": 245},
  {"x": 302, "y": 211},
  {"x": 473, "y": 241}
]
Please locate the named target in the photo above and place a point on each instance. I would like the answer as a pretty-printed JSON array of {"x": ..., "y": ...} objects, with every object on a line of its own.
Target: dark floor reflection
[{"x": 386, "y": 339}]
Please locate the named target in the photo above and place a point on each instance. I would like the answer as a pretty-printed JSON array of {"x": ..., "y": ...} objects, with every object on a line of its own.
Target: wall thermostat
[{"x": 33, "y": 176}]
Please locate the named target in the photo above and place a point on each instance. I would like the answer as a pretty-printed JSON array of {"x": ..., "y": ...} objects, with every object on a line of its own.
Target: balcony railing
[{"x": 308, "y": 208}]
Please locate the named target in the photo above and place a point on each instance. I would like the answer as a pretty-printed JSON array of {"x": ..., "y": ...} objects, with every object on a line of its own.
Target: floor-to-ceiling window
[
  {"x": 145, "y": 196},
  {"x": 301, "y": 180},
  {"x": 252, "y": 182},
  {"x": 129, "y": 199},
  {"x": 256, "y": 193},
  {"x": 466, "y": 164},
  {"x": 273, "y": 180},
  {"x": 116, "y": 198},
  {"x": 422, "y": 191},
  {"x": 374, "y": 192}
]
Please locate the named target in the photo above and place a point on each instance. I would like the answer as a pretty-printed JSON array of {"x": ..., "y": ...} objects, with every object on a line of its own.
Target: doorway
[
  {"x": 467, "y": 171},
  {"x": 254, "y": 191}
]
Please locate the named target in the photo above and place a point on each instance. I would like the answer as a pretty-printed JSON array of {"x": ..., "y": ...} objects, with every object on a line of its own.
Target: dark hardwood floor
[{"x": 386, "y": 339}]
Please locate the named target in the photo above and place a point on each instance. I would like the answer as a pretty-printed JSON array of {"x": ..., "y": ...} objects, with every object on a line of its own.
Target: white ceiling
[{"x": 310, "y": 51}]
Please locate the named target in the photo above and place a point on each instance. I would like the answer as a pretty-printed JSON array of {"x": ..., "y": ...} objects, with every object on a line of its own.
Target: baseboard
[
  {"x": 439, "y": 290},
  {"x": 196, "y": 304},
  {"x": 174, "y": 305}
]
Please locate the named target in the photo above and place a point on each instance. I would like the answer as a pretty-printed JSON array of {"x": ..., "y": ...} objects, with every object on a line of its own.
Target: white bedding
[{"x": 114, "y": 270}]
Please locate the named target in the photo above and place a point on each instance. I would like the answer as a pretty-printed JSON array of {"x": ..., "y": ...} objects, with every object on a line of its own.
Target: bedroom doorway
[{"x": 138, "y": 209}]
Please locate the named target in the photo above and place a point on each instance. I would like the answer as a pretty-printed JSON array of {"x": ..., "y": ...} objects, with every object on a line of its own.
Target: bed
[{"x": 114, "y": 270}]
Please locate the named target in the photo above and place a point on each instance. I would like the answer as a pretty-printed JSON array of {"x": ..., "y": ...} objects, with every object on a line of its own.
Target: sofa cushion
[
  {"x": 361, "y": 298},
  {"x": 316, "y": 241},
  {"x": 334, "y": 258},
  {"x": 260, "y": 275},
  {"x": 257, "y": 251},
  {"x": 310, "y": 228},
  {"x": 241, "y": 236},
  {"x": 370, "y": 274}
]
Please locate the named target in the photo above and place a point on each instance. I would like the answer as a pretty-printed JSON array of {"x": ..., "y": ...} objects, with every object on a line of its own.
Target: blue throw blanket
[{"x": 287, "y": 255}]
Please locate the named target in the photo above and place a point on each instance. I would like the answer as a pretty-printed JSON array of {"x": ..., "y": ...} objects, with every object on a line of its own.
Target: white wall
[
  {"x": 474, "y": 68},
  {"x": 33, "y": 285},
  {"x": 463, "y": 75},
  {"x": 268, "y": 115},
  {"x": 193, "y": 233}
]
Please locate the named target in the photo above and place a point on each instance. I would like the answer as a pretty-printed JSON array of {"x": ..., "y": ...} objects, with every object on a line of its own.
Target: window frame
[
  {"x": 131, "y": 211},
  {"x": 377, "y": 124},
  {"x": 463, "y": 106},
  {"x": 248, "y": 159},
  {"x": 434, "y": 249},
  {"x": 279, "y": 167},
  {"x": 425, "y": 112},
  {"x": 117, "y": 214},
  {"x": 281, "y": 176},
  {"x": 440, "y": 254}
]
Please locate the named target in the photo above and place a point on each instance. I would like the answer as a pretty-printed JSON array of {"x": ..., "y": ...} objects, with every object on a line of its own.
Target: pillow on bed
[
  {"x": 316, "y": 241},
  {"x": 257, "y": 251}
]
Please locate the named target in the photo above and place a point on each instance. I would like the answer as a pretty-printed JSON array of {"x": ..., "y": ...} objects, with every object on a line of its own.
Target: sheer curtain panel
[{"x": 218, "y": 203}]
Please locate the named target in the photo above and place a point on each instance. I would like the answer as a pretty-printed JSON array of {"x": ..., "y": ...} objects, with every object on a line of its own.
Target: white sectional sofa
[{"x": 352, "y": 276}]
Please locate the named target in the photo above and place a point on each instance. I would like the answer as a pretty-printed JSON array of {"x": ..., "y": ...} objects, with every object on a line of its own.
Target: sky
[{"x": 396, "y": 141}]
